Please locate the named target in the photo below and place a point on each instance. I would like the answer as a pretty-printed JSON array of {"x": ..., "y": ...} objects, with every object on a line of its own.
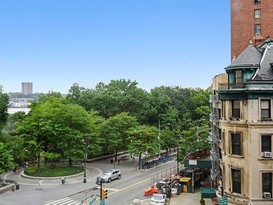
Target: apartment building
[
  {"x": 27, "y": 88},
  {"x": 242, "y": 127},
  {"x": 250, "y": 20}
]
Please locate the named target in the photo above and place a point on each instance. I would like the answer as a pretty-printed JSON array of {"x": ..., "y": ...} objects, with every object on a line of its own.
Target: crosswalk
[{"x": 64, "y": 201}]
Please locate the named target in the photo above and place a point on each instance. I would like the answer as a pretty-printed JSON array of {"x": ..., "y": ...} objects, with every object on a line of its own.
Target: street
[{"x": 122, "y": 192}]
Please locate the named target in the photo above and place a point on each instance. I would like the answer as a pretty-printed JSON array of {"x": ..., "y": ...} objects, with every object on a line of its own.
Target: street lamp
[
  {"x": 84, "y": 161},
  {"x": 177, "y": 156},
  {"x": 158, "y": 136}
]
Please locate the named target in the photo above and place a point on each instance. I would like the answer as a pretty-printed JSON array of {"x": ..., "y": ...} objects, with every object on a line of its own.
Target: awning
[{"x": 185, "y": 179}]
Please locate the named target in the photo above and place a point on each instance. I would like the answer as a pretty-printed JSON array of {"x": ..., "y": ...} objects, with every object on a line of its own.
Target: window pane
[
  {"x": 236, "y": 144},
  {"x": 266, "y": 143},
  {"x": 257, "y": 29},
  {"x": 265, "y": 104},
  {"x": 236, "y": 108},
  {"x": 265, "y": 109},
  {"x": 267, "y": 182},
  {"x": 236, "y": 181},
  {"x": 238, "y": 77},
  {"x": 257, "y": 14}
]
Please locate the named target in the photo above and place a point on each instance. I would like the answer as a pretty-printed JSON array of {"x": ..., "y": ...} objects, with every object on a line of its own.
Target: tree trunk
[{"x": 39, "y": 161}]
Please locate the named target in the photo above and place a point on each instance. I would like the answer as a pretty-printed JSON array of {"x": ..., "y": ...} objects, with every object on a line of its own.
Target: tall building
[
  {"x": 250, "y": 20},
  {"x": 27, "y": 88},
  {"x": 242, "y": 127}
]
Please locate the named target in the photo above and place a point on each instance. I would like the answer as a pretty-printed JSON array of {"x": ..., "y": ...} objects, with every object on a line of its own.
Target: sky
[{"x": 56, "y": 43}]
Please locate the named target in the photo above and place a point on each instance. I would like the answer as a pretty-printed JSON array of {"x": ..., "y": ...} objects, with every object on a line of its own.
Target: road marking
[
  {"x": 130, "y": 186},
  {"x": 64, "y": 201}
]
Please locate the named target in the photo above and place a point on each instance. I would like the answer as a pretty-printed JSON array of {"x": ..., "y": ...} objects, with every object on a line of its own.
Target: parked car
[
  {"x": 158, "y": 199},
  {"x": 108, "y": 176}
]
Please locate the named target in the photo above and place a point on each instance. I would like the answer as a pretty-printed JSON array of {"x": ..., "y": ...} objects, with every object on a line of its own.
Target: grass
[{"x": 60, "y": 169}]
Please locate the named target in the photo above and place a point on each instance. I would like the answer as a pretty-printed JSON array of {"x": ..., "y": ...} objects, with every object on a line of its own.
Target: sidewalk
[{"x": 188, "y": 198}]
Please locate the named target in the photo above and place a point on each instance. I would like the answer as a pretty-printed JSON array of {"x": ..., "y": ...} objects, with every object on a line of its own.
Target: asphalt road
[{"x": 121, "y": 192}]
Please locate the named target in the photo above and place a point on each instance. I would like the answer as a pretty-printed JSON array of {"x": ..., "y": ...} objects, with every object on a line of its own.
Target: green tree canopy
[{"x": 55, "y": 128}]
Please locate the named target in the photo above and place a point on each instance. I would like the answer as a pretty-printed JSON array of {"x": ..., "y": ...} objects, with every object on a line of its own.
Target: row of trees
[{"x": 107, "y": 119}]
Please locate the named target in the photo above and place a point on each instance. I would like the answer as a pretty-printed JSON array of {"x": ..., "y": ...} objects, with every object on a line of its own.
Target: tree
[
  {"x": 6, "y": 159},
  {"x": 55, "y": 128},
  {"x": 115, "y": 135},
  {"x": 193, "y": 140},
  {"x": 110, "y": 99},
  {"x": 143, "y": 139},
  {"x": 4, "y": 102}
]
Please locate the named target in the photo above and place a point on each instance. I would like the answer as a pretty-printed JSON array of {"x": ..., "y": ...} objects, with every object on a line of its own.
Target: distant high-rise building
[
  {"x": 250, "y": 20},
  {"x": 27, "y": 88}
]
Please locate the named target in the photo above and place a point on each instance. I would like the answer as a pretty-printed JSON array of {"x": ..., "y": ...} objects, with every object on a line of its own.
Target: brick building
[{"x": 250, "y": 20}]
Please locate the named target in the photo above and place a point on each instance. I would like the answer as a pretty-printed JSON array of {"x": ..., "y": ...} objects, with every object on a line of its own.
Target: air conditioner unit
[
  {"x": 267, "y": 195},
  {"x": 267, "y": 154}
]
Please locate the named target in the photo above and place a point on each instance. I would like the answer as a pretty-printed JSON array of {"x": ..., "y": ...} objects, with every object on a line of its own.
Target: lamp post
[
  {"x": 84, "y": 161},
  {"x": 158, "y": 136},
  {"x": 177, "y": 155}
]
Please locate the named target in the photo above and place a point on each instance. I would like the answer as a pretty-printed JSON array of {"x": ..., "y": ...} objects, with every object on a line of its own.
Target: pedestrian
[{"x": 118, "y": 160}]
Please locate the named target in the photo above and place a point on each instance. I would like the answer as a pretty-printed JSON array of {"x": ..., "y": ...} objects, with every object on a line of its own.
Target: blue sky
[{"x": 55, "y": 43}]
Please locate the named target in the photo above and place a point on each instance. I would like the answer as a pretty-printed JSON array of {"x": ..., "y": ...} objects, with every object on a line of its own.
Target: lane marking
[{"x": 130, "y": 186}]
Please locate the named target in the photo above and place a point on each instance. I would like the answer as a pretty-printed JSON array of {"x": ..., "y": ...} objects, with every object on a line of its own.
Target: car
[
  {"x": 158, "y": 199},
  {"x": 108, "y": 176}
]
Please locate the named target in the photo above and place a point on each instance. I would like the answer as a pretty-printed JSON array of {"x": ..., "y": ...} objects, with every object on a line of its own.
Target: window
[
  {"x": 238, "y": 77},
  {"x": 236, "y": 109},
  {"x": 257, "y": 13},
  {"x": 267, "y": 182},
  {"x": 236, "y": 180},
  {"x": 265, "y": 110},
  {"x": 236, "y": 144},
  {"x": 266, "y": 143},
  {"x": 257, "y": 1},
  {"x": 257, "y": 29}
]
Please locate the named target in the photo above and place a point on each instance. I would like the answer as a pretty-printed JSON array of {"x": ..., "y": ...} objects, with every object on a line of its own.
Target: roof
[
  {"x": 259, "y": 58},
  {"x": 265, "y": 73},
  {"x": 250, "y": 57}
]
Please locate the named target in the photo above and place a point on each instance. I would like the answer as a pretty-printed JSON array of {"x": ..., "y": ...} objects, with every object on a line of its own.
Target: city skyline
[{"x": 55, "y": 44}]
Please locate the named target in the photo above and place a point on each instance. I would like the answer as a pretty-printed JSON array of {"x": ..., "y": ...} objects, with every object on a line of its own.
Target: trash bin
[{"x": 17, "y": 186}]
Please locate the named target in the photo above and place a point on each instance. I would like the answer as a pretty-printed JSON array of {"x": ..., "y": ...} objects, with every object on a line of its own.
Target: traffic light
[{"x": 104, "y": 193}]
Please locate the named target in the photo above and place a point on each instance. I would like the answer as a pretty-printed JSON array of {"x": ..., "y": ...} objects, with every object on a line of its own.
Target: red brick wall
[{"x": 243, "y": 21}]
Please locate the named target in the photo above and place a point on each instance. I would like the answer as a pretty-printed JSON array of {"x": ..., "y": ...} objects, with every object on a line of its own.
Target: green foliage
[
  {"x": 4, "y": 102},
  {"x": 110, "y": 99},
  {"x": 61, "y": 169},
  {"x": 54, "y": 126},
  {"x": 6, "y": 159},
  {"x": 115, "y": 132},
  {"x": 143, "y": 139},
  {"x": 107, "y": 119}
]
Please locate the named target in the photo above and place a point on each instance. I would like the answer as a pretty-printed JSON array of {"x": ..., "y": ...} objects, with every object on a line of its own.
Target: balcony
[
  {"x": 213, "y": 137},
  {"x": 214, "y": 156},
  {"x": 214, "y": 118},
  {"x": 230, "y": 86},
  {"x": 214, "y": 98}
]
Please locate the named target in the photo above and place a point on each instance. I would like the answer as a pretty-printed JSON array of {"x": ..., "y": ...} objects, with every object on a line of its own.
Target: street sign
[
  {"x": 223, "y": 201},
  {"x": 102, "y": 202}
]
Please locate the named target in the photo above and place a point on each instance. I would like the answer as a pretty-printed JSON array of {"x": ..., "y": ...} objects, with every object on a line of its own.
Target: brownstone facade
[{"x": 250, "y": 20}]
